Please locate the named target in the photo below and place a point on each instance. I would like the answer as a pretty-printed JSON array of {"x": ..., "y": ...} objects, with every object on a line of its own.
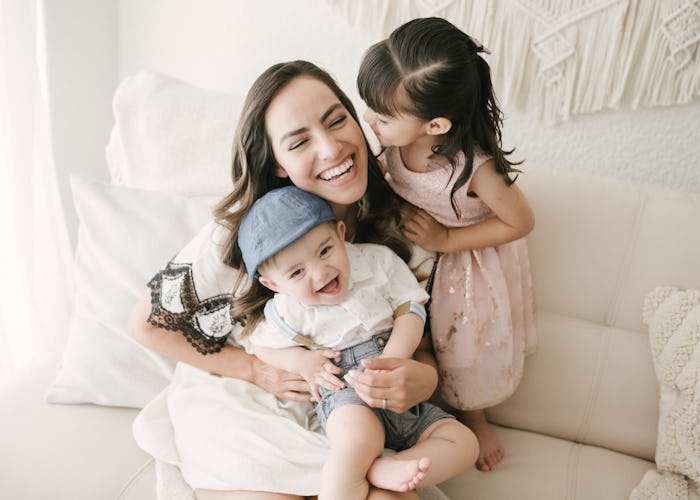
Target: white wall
[
  {"x": 225, "y": 44},
  {"x": 81, "y": 38}
]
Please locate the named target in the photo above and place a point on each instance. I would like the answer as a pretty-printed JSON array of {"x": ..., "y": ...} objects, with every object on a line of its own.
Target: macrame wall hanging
[{"x": 558, "y": 58}]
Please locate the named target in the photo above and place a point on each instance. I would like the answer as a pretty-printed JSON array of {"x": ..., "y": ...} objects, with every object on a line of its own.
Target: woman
[{"x": 240, "y": 428}]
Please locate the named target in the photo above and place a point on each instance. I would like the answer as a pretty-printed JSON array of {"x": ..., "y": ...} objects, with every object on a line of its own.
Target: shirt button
[{"x": 381, "y": 342}]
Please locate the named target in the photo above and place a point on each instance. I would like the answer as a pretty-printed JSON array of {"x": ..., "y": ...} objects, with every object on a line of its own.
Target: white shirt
[{"x": 379, "y": 282}]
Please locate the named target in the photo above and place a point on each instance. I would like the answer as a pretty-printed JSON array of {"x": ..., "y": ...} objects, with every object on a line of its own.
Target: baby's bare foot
[{"x": 393, "y": 474}]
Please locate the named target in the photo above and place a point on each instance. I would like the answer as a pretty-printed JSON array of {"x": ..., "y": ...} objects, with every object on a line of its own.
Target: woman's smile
[{"x": 339, "y": 172}]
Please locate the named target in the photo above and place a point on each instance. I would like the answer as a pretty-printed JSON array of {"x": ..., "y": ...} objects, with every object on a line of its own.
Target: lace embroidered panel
[{"x": 175, "y": 306}]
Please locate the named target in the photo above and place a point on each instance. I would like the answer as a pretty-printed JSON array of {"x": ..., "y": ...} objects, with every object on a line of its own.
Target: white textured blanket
[
  {"x": 171, "y": 486},
  {"x": 673, "y": 317}
]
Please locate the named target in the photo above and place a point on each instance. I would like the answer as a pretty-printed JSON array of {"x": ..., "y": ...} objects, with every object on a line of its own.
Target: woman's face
[{"x": 316, "y": 142}]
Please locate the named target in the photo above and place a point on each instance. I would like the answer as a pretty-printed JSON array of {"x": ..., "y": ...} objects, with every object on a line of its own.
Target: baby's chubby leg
[
  {"x": 444, "y": 450},
  {"x": 356, "y": 438}
]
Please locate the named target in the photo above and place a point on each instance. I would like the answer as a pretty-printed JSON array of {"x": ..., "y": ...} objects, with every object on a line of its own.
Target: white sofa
[{"x": 582, "y": 425}]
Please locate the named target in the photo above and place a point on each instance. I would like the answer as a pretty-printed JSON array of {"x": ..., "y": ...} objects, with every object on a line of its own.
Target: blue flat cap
[{"x": 276, "y": 220}]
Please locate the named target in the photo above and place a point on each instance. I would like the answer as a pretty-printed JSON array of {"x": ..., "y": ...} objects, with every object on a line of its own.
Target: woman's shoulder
[
  {"x": 193, "y": 294},
  {"x": 200, "y": 264},
  {"x": 209, "y": 241}
]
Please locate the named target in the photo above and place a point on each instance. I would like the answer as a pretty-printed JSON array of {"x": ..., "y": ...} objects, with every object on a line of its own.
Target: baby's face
[{"x": 315, "y": 269}]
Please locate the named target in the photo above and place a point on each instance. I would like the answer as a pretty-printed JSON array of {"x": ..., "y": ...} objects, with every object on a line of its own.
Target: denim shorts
[{"x": 401, "y": 430}]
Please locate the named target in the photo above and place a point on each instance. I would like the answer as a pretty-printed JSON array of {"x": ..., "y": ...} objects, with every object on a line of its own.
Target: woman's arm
[{"x": 231, "y": 361}]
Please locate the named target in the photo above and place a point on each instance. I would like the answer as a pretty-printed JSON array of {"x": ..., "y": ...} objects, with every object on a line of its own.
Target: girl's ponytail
[{"x": 487, "y": 121}]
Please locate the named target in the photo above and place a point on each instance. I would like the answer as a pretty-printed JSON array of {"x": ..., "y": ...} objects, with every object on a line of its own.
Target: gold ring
[{"x": 383, "y": 404}]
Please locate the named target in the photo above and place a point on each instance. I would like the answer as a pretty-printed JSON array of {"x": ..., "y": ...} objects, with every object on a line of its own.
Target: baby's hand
[{"x": 319, "y": 370}]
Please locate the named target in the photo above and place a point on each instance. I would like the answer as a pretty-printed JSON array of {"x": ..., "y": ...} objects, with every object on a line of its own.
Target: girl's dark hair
[
  {"x": 429, "y": 68},
  {"x": 253, "y": 171}
]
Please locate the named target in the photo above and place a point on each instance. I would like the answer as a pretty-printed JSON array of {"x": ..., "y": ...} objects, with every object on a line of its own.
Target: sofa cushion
[
  {"x": 68, "y": 452},
  {"x": 122, "y": 240},
  {"x": 600, "y": 245},
  {"x": 169, "y": 158},
  {"x": 171, "y": 136},
  {"x": 539, "y": 467},
  {"x": 587, "y": 383},
  {"x": 666, "y": 247},
  {"x": 579, "y": 240}
]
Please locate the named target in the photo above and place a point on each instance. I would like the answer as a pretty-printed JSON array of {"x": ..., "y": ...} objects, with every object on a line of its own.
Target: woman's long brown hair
[{"x": 253, "y": 171}]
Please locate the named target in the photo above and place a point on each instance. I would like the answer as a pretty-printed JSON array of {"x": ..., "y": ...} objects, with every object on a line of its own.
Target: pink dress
[{"x": 482, "y": 310}]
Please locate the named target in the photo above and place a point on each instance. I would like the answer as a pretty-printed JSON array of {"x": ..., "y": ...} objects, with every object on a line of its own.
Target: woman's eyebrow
[
  {"x": 330, "y": 110},
  {"x": 293, "y": 133},
  {"x": 301, "y": 130}
]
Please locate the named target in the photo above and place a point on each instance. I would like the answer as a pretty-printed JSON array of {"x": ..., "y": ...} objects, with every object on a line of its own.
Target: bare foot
[
  {"x": 491, "y": 450},
  {"x": 397, "y": 475}
]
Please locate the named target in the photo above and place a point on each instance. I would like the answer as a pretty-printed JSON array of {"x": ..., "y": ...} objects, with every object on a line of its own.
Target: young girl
[{"x": 432, "y": 107}]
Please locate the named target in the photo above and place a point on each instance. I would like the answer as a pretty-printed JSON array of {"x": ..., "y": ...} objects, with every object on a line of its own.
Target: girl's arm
[
  {"x": 513, "y": 218},
  {"x": 231, "y": 361}
]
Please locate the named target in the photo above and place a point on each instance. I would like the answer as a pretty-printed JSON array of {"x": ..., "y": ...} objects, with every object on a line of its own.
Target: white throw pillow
[
  {"x": 125, "y": 235},
  {"x": 171, "y": 136},
  {"x": 673, "y": 317}
]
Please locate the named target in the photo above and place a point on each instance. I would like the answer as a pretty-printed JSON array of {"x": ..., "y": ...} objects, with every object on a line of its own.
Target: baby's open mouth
[{"x": 332, "y": 287}]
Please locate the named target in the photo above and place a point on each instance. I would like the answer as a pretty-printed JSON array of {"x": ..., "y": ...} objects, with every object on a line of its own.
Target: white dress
[
  {"x": 223, "y": 433},
  {"x": 379, "y": 283},
  {"x": 482, "y": 309}
]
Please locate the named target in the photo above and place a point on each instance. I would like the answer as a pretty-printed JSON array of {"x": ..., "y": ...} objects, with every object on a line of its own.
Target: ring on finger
[{"x": 383, "y": 404}]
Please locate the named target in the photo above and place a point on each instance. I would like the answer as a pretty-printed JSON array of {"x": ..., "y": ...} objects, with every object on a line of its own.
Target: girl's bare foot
[
  {"x": 491, "y": 450},
  {"x": 397, "y": 475}
]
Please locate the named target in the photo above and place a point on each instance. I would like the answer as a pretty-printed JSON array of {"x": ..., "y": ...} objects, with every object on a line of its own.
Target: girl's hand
[
  {"x": 422, "y": 229},
  {"x": 403, "y": 383},
  {"x": 281, "y": 383},
  {"x": 318, "y": 370}
]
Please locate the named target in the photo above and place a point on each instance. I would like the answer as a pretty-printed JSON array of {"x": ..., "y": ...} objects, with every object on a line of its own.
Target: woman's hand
[
  {"x": 281, "y": 383},
  {"x": 422, "y": 229},
  {"x": 403, "y": 383}
]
